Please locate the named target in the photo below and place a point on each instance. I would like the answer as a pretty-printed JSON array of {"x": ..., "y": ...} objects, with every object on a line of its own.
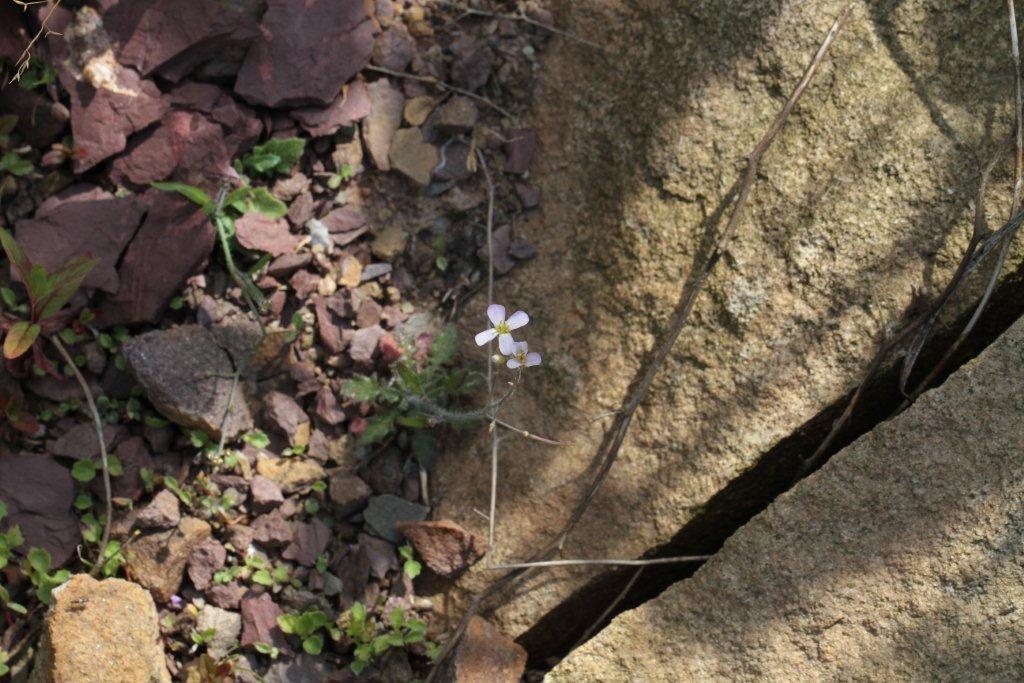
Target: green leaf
[
  {"x": 379, "y": 427},
  {"x": 15, "y": 165},
  {"x": 412, "y": 568},
  {"x": 314, "y": 644},
  {"x": 262, "y": 577},
  {"x": 277, "y": 155},
  {"x": 20, "y": 339},
  {"x": 256, "y": 439},
  {"x": 39, "y": 560},
  {"x": 63, "y": 285},
  {"x": 365, "y": 389},
  {"x": 268, "y": 204},
  {"x": 15, "y": 254},
  {"x": 84, "y": 471},
  {"x": 3, "y": 509},
  {"x": 446, "y": 343},
  {"x": 190, "y": 192},
  {"x": 413, "y": 421}
]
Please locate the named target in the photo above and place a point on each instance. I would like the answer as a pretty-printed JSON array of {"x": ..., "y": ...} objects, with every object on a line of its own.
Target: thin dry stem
[
  {"x": 26, "y": 54},
  {"x": 97, "y": 424},
  {"x": 610, "y": 447},
  {"x": 447, "y": 86},
  {"x": 523, "y": 17}
]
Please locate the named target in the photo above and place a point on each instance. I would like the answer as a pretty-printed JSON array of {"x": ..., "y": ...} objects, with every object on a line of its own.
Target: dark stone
[
  {"x": 41, "y": 121},
  {"x": 353, "y": 104},
  {"x": 205, "y": 560},
  {"x": 444, "y": 546},
  {"x": 187, "y": 377},
  {"x": 394, "y": 48},
  {"x": 307, "y": 50},
  {"x": 384, "y": 512},
  {"x": 309, "y": 541},
  {"x": 348, "y": 492},
  {"x": 266, "y": 495},
  {"x": 259, "y": 621},
  {"x": 38, "y": 493},
  {"x": 79, "y": 222},
  {"x": 163, "y": 512},
  {"x": 519, "y": 150},
  {"x": 186, "y": 147},
  {"x": 472, "y": 64},
  {"x": 172, "y": 245}
]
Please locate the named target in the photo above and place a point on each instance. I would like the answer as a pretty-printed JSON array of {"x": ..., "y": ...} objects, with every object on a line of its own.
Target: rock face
[
  {"x": 306, "y": 52},
  {"x": 187, "y": 376},
  {"x": 38, "y": 493},
  {"x": 484, "y": 655},
  {"x": 865, "y": 197},
  {"x": 100, "y": 631},
  {"x": 898, "y": 560}
]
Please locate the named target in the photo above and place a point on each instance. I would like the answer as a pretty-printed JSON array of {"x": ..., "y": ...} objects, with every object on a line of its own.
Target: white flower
[
  {"x": 522, "y": 357},
  {"x": 502, "y": 328}
]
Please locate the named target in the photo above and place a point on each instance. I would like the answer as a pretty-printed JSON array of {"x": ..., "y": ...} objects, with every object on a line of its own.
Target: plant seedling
[{"x": 48, "y": 293}]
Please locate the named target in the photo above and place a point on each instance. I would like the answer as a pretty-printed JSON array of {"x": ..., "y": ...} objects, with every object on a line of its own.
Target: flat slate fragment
[{"x": 308, "y": 49}]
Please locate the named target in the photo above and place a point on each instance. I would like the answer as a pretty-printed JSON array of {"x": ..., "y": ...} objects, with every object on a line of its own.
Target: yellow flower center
[{"x": 502, "y": 328}]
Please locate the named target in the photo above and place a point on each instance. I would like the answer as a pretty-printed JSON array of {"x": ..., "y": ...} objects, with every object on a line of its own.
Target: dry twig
[
  {"x": 441, "y": 84},
  {"x": 609, "y": 449}
]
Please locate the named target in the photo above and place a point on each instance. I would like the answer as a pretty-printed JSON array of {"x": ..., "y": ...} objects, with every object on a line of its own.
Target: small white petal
[
  {"x": 520, "y": 347},
  {"x": 517, "y": 319},
  {"x": 485, "y": 336},
  {"x": 532, "y": 359},
  {"x": 512, "y": 363},
  {"x": 495, "y": 313},
  {"x": 506, "y": 344}
]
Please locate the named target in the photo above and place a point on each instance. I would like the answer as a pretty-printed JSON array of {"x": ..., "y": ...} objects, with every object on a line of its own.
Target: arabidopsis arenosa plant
[
  {"x": 521, "y": 356},
  {"x": 502, "y": 328}
]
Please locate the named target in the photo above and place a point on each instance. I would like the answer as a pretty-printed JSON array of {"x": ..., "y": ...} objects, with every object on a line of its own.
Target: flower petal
[
  {"x": 512, "y": 363},
  {"x": 485, "y": 336},
  {"x": 532, "y": 359},
  {"x": 495, "y": 313},
  {"x": 517, "y": 319},
  {"x": 506, "y": 344}
]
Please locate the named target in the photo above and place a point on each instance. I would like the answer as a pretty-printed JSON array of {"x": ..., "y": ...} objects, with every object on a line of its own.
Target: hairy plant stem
[{"x": 97, "y": 424}]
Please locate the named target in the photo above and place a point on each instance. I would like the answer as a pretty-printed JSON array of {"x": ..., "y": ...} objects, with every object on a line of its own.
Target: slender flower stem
[{"x": 98, "y": 425}]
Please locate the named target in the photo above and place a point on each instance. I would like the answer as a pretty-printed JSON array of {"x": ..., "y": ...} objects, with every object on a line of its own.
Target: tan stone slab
[
  {"x": 901, "y": 559},
  {"x": 865, "y": 199}
]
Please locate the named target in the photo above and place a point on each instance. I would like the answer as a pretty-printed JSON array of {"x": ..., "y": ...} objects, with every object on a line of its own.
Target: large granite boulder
[
  {"x": 864, "y": 201},
  {"x": 901, "y": 559}
]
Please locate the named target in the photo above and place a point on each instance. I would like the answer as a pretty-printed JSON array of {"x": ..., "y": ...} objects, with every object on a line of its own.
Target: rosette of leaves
[
  {"x": 48, "y": 293},
  {"x": 308, "y": 626},
  {"x": 416, "y": 398}
]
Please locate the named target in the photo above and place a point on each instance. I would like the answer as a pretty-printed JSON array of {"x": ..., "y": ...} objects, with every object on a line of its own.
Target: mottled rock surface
[
  {"x": 100, "y": 631},
  {"x": 901, "y": 559},
  {"x": 187, "y": 376},
  {"x": 866, "y": 197}
]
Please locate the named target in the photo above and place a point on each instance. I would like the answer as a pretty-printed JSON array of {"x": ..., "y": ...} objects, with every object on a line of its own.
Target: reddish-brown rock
[
  {"x": 350, "y": 106},
  {"x": 307, "y": 50},
  {"x": 444, "y": 546},
  {"x": 485, "y": 655}
]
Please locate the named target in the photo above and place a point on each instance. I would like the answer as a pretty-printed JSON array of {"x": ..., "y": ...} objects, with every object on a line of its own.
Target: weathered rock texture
[
  {"x": 100, "y": 631},
  {"x": 901, "y": 559},
  {"x": 865, "y": 198}
]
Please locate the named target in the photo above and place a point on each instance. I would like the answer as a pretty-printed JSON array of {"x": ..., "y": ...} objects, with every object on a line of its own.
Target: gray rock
[
  {"x": 266, "y": 494},
  {"x": 899, "y": 560},
  {"x": 227, "y": 627},
  {"x": 163, "y": 512},
  {"x": 384, "y": 512},
  {"x": 187, "y": 377},
  {"x": 348, "y": 492},
  {"x": 457, "y": 115},
  {"x": 157, "y": 561}
]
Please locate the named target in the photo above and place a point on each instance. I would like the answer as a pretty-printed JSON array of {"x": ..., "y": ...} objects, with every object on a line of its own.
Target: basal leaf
[
  {"x": 268, "y": 204},
  {"x": 64, "y": 283},
  {"x": 14, "y": 252},
  {"x": 190, "y": 192},
  {"x": 20, "y": 339}
]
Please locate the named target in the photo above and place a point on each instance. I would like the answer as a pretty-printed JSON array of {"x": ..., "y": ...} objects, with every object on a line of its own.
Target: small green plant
[
  {"x": 174, "y": 487},
  {"x": 9, "y": 540},
  {"x": 37, "y": 75},
  {"x": 256, "y": 439},
  {"x": 419, "y": 387},
  {"x": 86, "y": 470},
  {"x": 204, "y": 637},
  {"x": 363, "y": 631},
  {"x": 410, "y": 566},
  {"x": 37, "y": 567},
  {"x": 267, "y": 649},
  {"x": 48, "y": 293},
  {"x": 5, "y": 600},
  {"x": 275, "y": 156},
  {"x": 307, "y": 627},
  {"x": 4, "y": 658}
]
